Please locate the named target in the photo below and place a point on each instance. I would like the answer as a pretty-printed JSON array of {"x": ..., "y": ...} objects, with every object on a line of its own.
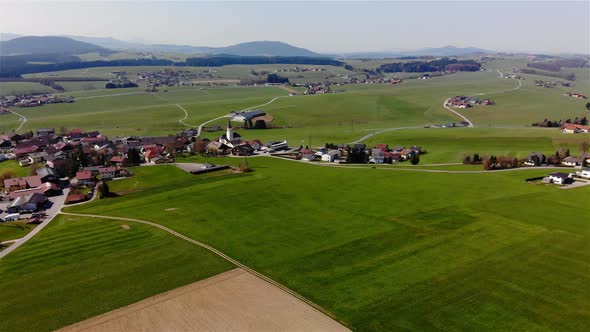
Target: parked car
[
  {"x": 13, "y": 217},
  {"x": 34, "y": 221},
  {"x": 39, "y": 215}
]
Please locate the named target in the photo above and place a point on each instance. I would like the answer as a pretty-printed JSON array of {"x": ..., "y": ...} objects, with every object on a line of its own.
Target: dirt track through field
[{"x": 231, "y": 301}]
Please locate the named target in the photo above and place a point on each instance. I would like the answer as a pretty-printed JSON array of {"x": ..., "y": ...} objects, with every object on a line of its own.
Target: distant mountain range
[
  {"x": 47, "y": 45},
  {"x": 436, "y": 51},
  {"x": 14, "y": 43},
  {"x": 255, "y": 48}
]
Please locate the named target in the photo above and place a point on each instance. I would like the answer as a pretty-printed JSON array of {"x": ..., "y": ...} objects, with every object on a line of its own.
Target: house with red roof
[
  {"x": 570, "y": 128},
  {"x": 85, "y": 178},
  {"x": 26, "y": 182}
]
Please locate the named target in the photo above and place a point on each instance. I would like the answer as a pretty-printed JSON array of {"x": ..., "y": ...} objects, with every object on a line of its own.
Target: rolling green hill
[{"x": 47, "y": 45}]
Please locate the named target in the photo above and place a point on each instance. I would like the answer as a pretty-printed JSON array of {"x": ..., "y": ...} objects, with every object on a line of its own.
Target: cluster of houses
[
  {"x": 170, "y": 77},
  {"x": 314, "y": 89},
  {"x": 572, "y": 128},
  {"x": 461, "y": 124},
  {"x": 575, "y": 95},
  {"x": 551, "y": 84},
  {"x": 379, "y": 154},
  {"x": 468, "y": 102},
  {"x": 383, "y": 80},
  {"x": 80, "y": 158},
  {"x": 232, "y": 143},
  {"x": 300, "y": 70},
  {"x": 32, "y": 100},
  {"x": 538, "y": 159},
  {"x": 514, "y": 77}
]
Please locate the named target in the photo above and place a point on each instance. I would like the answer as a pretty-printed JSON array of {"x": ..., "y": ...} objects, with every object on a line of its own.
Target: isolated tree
[
  {"x": 133, "y": 157},
  {"x": 103, "y": 189},
  {"x": 200, "y": 146},
  {"x": 5, "y": 175},
  {"x": 584, "y": 145},
  {"x": 588, "y": 106}
]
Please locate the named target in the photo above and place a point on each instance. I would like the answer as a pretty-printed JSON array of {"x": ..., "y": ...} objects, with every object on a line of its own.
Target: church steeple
[{"x": 229, "y": 134}]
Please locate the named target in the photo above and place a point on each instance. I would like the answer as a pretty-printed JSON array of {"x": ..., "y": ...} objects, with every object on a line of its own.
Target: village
[
  {"x": 468, "y": 102},
  {"x": 31, "y": 101},
  {"x": 83, "y": 162}
]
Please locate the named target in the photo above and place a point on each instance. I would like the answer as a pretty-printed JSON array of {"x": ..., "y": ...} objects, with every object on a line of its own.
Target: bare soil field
[{"x": 232, "y": 301}]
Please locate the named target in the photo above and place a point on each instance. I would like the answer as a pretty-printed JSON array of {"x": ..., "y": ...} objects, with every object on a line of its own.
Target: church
[{"x": 230, "y": 138}]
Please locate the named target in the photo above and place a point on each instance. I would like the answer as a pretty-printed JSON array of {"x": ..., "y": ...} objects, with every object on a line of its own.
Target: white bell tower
[{"x": 230, "y": 132}]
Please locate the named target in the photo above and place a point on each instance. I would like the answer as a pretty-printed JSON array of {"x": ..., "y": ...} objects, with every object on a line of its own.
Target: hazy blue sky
[{"x": 330, "y": 26}]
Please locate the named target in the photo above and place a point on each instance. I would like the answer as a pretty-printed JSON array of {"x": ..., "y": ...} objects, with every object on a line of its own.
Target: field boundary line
[{"x": 218, "y": 253}]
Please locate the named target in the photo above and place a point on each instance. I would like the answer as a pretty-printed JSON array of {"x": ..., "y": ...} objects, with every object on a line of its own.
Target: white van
[{"x": 12, "y": 217}]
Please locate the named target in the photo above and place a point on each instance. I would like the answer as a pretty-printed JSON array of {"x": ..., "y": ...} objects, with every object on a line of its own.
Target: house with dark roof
[
  {"x": 535, "y": 159},
  {"x": 47, "y": 174},
  {"x": 561, "y": 178}
]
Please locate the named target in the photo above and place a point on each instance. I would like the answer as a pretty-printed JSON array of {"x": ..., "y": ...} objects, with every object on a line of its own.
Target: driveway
[{"x": 58, "y": 202}]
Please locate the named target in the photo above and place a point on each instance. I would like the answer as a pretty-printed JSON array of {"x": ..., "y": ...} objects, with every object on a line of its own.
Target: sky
[{"x": 321, "y": 26}]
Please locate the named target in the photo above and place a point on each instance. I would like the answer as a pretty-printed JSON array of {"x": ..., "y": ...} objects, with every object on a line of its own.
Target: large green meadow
[
  {"x": 78, "y": 268},
  {"x": 387, "y": 250},
  {"x": 380, "y": 248},
  {"x": 354, "y": 111}
]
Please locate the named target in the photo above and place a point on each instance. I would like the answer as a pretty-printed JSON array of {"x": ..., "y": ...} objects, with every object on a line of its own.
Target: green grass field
[
  {"x": 20, "y": 88},
  {"x": 14, "y": 230},
  {"x": 381, "y": 249},
  {"x": 13, "y": 165},
  {"x": 79, "y": 268},
  {"x": 353, "y": 112},
  {"x": 476, "y": 251},
  {"x": 450, "y": 145}
]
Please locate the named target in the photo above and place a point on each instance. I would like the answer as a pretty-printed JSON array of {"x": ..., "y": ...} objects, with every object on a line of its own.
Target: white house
[
  {"x": 585, "y": 173},
  {"x": 377, "y": 156},
  {"x": 331, "y": 156},
  {"x": 308, "y": 157},
  {"x": 560, "y": 178},
  {"x": 571, "y": 161}
]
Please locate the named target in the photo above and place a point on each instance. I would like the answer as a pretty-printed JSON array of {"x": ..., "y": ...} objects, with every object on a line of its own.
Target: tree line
[
  {"x": 548, "y": 123},
  {"x": 444, "y": 64},
  {"x": 112, "y": 85},
  {"x": 14, "y": 66},
  {"x": 567, "y": 76}
]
